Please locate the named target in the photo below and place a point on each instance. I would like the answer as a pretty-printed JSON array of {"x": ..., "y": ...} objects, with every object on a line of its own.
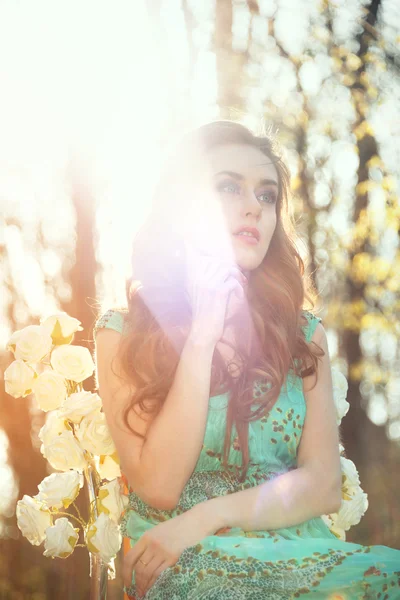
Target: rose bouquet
[{"x": 75, "y": 441}]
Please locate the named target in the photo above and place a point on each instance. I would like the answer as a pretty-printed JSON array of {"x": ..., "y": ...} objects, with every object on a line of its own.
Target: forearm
[
  {"x": 288, "y": 499},
  {"x": 175, "y": 438}
]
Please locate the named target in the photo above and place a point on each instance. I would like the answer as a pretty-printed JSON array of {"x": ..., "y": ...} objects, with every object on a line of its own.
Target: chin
[
  {"x": 248, "y": 264},
  {"x": 251, "y": 257}
]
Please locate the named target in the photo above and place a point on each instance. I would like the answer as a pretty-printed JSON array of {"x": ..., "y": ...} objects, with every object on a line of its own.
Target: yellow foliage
[
  {"x": 350, "y": 314},
  {"x": 356, "y": 372},
  {"x": 374, "y": 321},
  {"x": 303, "y": 117},
  {"x": 336, "y": 63},
  {"x": 368, "y": 128},
  {"x": 388, "y": 183},
  {"x": 393, "y": 283},
  {"x": 374, "y": 292},
  {"x": 364, "y": 128},
  {"x": 374, "y": 238},
  {"x": 338, "y": 260},
  {"x": 351, "y": 323},
  {"x": 381, "y": 268},
  {"x": 375, "y": 374},
  {"x": 369, "y": 370},
  {"x": 360, "y": 267},
  {"x": 358, "y": 234},
  {"x": 357, "y": 307},
  {"x": 366, "y": 267},
  {"x": 370, "y": 57},
  {"x": 364, "y": 186},
  {"x": 372, "y": 91},
  {"x": 364, "y": 79},
  {"x": 295, "y": 183},
  {"x": 393, "y": 217},
  {"x": 342, "y": 51},
  {"x": 380, "y": 66},
  {"x": 348, "y": 79},
  {"x": 363, "y": 108},
  {"x": 353, "y": 62},
  {"x": 358, "y": 94},
  {"x": 374, "y": 161}
]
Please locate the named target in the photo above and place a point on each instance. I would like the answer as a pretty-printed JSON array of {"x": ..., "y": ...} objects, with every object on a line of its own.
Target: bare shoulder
[
  {"x": 116, "y": 387},
  {"x": 319, "y": 335}
]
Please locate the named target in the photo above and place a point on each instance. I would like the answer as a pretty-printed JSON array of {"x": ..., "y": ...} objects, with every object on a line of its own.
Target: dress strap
[
  {"x": 111, "y": 319},
  {"x": 312, "y": 322}
]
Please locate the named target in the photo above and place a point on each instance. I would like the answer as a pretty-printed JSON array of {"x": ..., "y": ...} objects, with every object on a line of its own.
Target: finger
[
  {"x": 144, "y": 575},
  {"x": 233, "y": 286},
  {"x": 164, "y": 565},
  {"x": 129, "y": 563},
  {"x": 237, "y": 274},
  {"x": 224, "y": 275}
]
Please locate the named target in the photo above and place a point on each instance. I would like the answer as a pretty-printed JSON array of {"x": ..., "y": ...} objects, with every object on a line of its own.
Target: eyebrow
[{"x": 240, "y": 178}]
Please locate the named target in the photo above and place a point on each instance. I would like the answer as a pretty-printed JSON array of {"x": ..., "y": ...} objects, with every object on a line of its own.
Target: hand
[
  {"x": 161, "y": 546},
  {"x": 210, "y": 282}
]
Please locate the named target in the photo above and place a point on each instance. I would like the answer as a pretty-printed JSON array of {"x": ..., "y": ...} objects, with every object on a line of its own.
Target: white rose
[
  {"x": 108, "y": 466},
  {"x": 19, "y": 379},
  {"x": 12, "y": 342},
  {"x": 78, "y": 405},
  {"x": 31, "y": 344},
  {"x": 61, "y": 327},
  {"x": 33, "y": 518},
  {"x": 340, "y": 387},
  {"x": 94, "y": 435},
  {"x": 350, "y": 477},
  {"x": 331, "y": 523},
  {"x": 111, "y": 500},
  {"x": 60, "y": 539},
  {"x": 53, "y": 426},
  {"x": 50, "y": 390},
  {"x": 352, "y": 510},
  {"x": 64, "y": 452},
  {"x": 59, "y": 490},
  {"x": 72, "y": 362},
  {"x": 103, "y": 537}
]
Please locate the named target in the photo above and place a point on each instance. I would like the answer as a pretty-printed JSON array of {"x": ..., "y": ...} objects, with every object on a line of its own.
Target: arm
[
  {"x": 313, "y": 488},
  {"x": 157, "y": 469}
]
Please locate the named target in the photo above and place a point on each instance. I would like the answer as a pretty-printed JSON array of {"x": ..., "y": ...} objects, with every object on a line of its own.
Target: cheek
[
  {"x": 269, "y": 224},
  {"x": 211, "y": 216},
  {"x": 207, "y": 223}
]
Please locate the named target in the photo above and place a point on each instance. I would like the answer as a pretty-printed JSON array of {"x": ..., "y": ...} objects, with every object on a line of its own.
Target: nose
[{"x": 251, "y": 203}]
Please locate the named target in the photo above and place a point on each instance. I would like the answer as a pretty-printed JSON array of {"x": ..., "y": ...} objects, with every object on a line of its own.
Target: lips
[{"x": 252, "y": 230}]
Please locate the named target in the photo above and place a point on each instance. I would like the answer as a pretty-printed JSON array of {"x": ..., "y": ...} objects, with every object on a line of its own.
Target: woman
[{"x": 217, "y": 388}]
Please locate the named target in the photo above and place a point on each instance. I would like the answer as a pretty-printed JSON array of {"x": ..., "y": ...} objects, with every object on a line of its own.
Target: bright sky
[{"x": 84, "y": 79}]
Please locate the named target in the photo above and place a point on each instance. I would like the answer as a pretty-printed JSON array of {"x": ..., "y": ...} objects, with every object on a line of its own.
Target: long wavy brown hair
[{"x": 158, "y": 316}]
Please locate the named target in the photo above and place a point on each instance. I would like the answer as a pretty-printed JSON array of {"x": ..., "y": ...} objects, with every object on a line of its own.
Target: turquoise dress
[{"x": 306, "y": 560}]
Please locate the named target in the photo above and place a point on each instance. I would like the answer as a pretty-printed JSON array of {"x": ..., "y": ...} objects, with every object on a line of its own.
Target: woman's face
[{"x": 238, "y": 188}]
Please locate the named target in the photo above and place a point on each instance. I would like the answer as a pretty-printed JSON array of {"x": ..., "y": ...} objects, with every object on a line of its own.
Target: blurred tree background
[{"x": 92, "y": 93}]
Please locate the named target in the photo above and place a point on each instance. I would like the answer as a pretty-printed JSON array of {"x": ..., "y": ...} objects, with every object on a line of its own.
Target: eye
[
  {"x": 270, "y": 196},
  {"x": 227, "y": 186}
]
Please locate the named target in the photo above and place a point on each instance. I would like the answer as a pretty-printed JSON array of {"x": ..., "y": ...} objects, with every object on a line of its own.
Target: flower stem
[
  {"x": 77, "y": 510},
  {"x": 80, "y": 521}
]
